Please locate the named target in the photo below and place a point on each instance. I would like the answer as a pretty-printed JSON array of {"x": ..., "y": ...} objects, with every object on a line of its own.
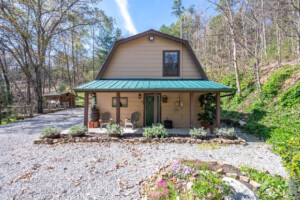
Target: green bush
[
  {"x": 114, "y": 129},
  {"x": 275, "y": 81},
  {"x": 196, "y": 132},
  {"x": 290, "y": 153},
  {"x": 155, "y": 131},
  {"x": 51, "y": 131},
  {"x": 291, "y": 97},
  {"x": 78, "y": 129},
  {"x": 226, "y": 132}
]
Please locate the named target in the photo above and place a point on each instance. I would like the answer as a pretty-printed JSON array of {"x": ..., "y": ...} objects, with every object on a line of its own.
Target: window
[{"x": 170, "y": 63}]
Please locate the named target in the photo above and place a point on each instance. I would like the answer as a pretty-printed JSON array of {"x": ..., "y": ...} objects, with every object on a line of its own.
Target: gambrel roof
[{"x": 152, "y": 32}]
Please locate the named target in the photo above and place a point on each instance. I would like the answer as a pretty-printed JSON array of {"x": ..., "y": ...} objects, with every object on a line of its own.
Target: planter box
[{"x": 93, "y": 124}]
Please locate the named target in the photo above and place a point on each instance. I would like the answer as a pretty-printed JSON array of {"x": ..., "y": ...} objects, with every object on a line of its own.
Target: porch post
[
  {"x": 218, "y": 110},
  {"x": 155, "y": 108},
  {"x": 118, "y": 108},
  {"x": 191, "y": 109},
  {"x": 86, "y": 108}
]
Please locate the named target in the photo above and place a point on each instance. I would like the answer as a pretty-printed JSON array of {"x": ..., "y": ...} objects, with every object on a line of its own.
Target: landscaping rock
[
  {"x": 255, "y": 184},
  {"x": 239, "y": 190},
  {"x": 245, "y": 179}
]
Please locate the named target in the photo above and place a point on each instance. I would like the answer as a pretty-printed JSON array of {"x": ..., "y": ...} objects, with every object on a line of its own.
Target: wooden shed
[{"x": 62, "y": 97}]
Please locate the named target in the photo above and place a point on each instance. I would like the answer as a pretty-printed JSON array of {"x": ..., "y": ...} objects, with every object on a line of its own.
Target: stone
[
  {"x": 77, "y": 140},
  {"x": 55, "y": 141},
  {"x": 71, "y": 140},
  {"x": 189, "y": 185},
  {"x": 38, "y": 141},
  {"x": 255, "y": 184},
  {"x": 239, "y": 190},
  {"x": 83, "y": 139},
  {"x": 245, "y": 179},
  {"x": 232, "y": 175},
  {"x": 221, "y": 171}
]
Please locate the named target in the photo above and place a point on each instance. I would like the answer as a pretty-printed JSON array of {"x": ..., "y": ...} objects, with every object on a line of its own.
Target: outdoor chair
[
  {"x": 133, "y": 121},
  {"x": 105, "y": 119}
]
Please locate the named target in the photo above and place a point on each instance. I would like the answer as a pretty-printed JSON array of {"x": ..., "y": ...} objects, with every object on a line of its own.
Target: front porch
[{"x": 154, "y": 100}]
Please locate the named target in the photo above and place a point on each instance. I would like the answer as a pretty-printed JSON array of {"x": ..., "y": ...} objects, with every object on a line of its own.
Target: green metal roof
[{"x": 152, "y": 85}]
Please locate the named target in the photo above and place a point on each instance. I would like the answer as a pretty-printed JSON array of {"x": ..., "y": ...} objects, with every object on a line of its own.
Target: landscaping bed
[
  {"x": 195, "y": 179},
  {"x": 136, "y": 139}
]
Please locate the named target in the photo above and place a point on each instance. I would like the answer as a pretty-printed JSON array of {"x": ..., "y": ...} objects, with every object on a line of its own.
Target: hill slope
[{"x": 273, "y": 116}]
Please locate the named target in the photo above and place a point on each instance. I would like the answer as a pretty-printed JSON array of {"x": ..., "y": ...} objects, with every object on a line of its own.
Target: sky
[{"x": 136, "y": 16}]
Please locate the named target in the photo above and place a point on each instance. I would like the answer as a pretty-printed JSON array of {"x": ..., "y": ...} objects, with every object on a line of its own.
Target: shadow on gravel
[{"x": 256, "y": 130}]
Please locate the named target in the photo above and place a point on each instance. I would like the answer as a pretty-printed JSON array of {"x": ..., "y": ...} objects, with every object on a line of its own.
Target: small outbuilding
[{"x": 62, "y": 97}]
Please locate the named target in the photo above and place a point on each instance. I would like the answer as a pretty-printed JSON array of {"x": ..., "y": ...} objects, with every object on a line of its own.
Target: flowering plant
[
  {"x": 181, "y": 170},
  {"x": 160, "y": 192}
]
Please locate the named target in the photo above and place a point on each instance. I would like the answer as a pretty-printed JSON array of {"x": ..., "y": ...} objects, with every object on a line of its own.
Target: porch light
[
  {"x": 151, "y": 38},
  {"x": 140, "y": 96}
]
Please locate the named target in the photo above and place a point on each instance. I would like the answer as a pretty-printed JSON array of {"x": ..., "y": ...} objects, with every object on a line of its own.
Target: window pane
[{"x": 171, "y": 65}]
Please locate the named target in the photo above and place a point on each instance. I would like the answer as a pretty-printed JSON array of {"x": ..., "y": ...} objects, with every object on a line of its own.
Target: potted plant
[
  {"x": 208, "y": 106},
  {"x": 51, "y": 132},
  {"x": 78, "y": 130},
  {"x": 157, "y": 130},
  {"x": 227, "y": 133},
  {"x": 114, "y": 130},
  {"x": 198, "y": 133}
]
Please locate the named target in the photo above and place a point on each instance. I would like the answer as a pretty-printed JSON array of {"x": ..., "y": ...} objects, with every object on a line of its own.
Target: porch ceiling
[{"x": 152, "y": 85}]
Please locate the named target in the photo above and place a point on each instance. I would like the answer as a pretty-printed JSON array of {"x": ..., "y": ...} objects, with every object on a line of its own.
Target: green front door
[{"x": 149, "y": 109}]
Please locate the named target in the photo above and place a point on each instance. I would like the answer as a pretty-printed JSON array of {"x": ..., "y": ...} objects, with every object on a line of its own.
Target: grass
[
  {"x": 210, "y": 146},
  {"x": 273, "y": 187},
  {"x": 10, "y": 120}
]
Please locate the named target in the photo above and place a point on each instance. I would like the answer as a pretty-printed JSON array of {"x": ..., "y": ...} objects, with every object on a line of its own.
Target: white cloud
[{"x": 125, "y": 14}]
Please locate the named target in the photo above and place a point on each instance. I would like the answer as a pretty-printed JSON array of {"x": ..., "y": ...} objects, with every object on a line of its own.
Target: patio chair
[
  {"x": 105, "y": 119},
  {"x": 133, "y": 121}
]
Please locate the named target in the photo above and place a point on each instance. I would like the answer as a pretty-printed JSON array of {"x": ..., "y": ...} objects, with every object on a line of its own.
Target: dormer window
[{"x": 171, "y": 65}]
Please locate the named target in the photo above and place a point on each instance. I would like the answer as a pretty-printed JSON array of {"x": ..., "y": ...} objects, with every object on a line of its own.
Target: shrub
[
  {"x": 290, "y": 97},
  {"x": 275, "y": 81},
  {"x": 51, "y": 131},
  {"x": 196, "y": 132},
  {"x": 155, "y": 131},
  {"x": 226, "y": 132},
  {"x": 114, "y": 129},
  {"x": 78, "y": 129}
]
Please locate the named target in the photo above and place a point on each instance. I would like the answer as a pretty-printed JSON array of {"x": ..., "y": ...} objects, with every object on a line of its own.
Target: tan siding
[
  {"x": 179, "y": 116},
  {"x": 142, "y": 58},
  {"x": 104, "y": 103}
]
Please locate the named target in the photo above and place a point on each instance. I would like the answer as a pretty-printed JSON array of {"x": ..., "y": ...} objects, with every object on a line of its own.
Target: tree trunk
[{"x": 234, "y": 53}]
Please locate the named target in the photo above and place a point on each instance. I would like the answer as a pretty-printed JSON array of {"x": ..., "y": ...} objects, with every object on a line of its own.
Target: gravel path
[{"x": 98, "y": 171}]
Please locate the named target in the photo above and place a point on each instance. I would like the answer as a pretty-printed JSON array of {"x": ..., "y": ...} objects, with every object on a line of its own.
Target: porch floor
[{"x": 139, "y": 131}]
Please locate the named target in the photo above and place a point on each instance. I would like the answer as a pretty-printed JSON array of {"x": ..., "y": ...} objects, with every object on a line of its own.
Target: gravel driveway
[{"x": 98, "y": 171}]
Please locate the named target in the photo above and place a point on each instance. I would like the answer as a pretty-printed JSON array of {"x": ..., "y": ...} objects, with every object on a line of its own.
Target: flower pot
[
  {"x": 211, "y": 129},
  {"x": 205, "y": 125}
]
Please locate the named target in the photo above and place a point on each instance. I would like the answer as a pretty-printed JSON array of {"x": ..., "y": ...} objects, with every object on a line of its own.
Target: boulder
[{"x": 239, "y": 190}]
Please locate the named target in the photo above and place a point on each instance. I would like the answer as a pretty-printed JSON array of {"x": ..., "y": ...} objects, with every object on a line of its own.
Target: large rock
[{"x": 239, "y": 190}]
